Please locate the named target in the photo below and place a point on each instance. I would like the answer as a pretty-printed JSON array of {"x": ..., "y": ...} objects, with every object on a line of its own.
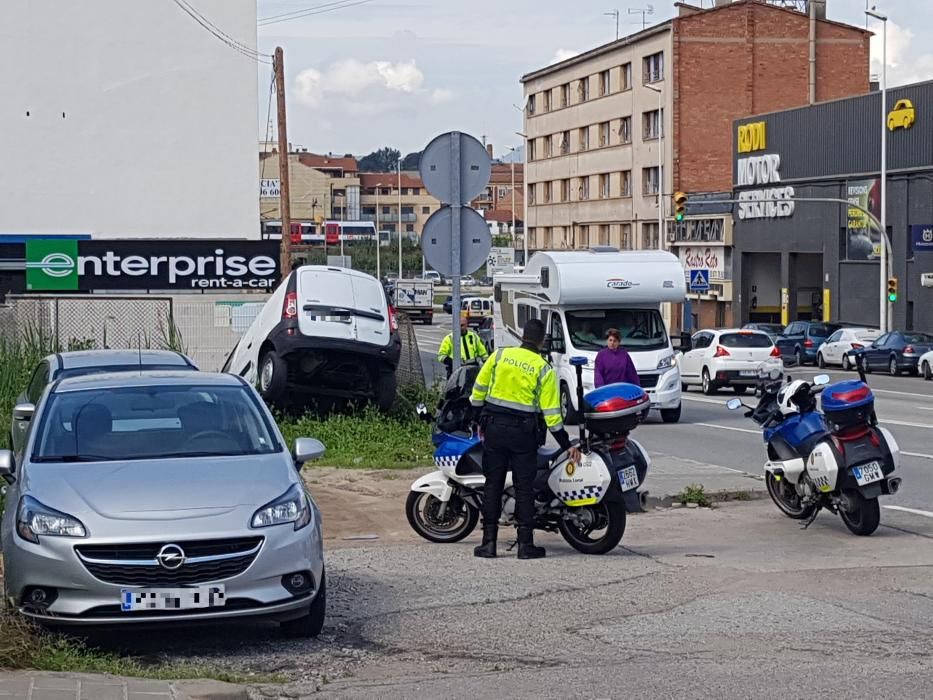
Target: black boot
[
  {"x": 526, "y": 545},
  {"x": 487, "y": 550}
]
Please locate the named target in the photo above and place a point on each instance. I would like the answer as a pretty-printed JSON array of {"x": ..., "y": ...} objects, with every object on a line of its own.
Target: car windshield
[
  {"x": 641, "y": 329},
  {"x": 152, "y": 422},
  {"x": 745, "y": 340},
  {"x": 102, "y": 369},
  {"x": 918, "y": 337},
  {"x": 822, "y": 330}
]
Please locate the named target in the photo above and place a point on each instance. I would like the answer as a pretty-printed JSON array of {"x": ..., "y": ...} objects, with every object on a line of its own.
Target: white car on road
[
  {"x": 835, "y": 351},
  {"x": 926, "y": 365},
  {"x": 729, "y": 357}
]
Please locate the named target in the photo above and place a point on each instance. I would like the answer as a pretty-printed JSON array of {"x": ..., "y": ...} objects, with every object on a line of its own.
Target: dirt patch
[{"x": 363, "y": 506}]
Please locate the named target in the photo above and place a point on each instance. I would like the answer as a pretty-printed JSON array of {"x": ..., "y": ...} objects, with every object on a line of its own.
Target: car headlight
[
  {"x": 35, "y": 519},
  {"x": 667, "y": 362},
  {"x": 291, "y": 507}
]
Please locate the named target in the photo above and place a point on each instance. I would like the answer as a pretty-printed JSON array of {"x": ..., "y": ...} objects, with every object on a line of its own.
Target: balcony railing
[{"x": 407, "y": 218}]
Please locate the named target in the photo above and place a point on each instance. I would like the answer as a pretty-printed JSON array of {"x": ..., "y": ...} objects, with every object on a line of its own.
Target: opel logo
[{"x": 171, "y": 557}]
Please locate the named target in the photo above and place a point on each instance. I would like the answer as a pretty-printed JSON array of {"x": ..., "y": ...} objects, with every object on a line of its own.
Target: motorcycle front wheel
[
  {"x": 864, "y": 514},
  {"x": 785, "y": 497},
  {"x": 595, "y": 529},
  {"x": 424, "y": 515}
]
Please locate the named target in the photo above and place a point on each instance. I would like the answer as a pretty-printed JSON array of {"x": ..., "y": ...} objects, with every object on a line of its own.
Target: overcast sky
[{"x": 390, "y": 73}]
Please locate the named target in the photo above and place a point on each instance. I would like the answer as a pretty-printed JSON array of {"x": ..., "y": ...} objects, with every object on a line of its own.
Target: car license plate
[
  {"x": 867, "y": 473},
  {"x": 628, "y": 478},
  {"x": 172, "y": 598},
  {"x": 748, "y": 373}
]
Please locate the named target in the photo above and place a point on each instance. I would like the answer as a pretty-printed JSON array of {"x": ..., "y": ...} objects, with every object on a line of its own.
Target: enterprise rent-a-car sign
[{"x": 68, "y": 265}]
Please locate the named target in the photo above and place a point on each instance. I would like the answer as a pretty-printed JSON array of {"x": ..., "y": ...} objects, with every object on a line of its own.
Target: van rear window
[{"x": 745, "y": 340}]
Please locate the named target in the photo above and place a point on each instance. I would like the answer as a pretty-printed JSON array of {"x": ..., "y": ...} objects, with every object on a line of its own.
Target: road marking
[
  {"x": 699, "y": 400},
  {"x": 902, "y": 393},
  {"x": 906, "y": 424},
  {"x": 917, "y": 454},
  {"x": 912, "y": 511},
  {"x": 729, "y": 427}
]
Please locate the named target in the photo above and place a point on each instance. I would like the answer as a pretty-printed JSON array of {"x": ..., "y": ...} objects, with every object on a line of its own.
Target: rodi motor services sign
[{"x": 69, "y": 265}]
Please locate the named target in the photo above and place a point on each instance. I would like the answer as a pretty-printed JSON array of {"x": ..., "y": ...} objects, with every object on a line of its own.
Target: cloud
[
  {"x": 441, "y": 95},
  {"x": 350, "y": 77},
  {"x": 906, "y": 62},
  {"x": 563, "y": 55}
]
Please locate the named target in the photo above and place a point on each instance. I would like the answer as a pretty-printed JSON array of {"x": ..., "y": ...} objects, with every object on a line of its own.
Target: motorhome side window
[
  {"x": 557, "y": 334},
  {"x": 641, "y": 329},
  {"x": 526, "y": 313}
]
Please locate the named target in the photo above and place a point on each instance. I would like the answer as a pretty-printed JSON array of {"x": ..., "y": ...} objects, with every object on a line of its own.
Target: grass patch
[
  {"x": 695, "y": 493},
  {"x": 25, "y": 646}
]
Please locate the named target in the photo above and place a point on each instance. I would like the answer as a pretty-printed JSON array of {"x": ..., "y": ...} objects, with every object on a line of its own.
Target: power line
[
  {"x": 317, "y": 10},
  {"x": 307, "y": 9},
  {"x": 225, "y": 38}
]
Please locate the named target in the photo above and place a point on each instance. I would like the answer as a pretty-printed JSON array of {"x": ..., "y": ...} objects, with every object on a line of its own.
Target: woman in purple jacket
[{"x": 613, "y": 363}]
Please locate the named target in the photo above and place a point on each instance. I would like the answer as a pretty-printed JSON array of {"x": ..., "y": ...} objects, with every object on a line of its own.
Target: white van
[
  {"x": 326, "y": 332},
  {"x": 476, "y": 309},
  {"x": 580, "y": 295}
]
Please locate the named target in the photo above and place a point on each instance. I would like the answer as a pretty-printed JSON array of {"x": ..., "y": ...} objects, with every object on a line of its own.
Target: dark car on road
[
  {"x": 895, "y": 352},
  {"x": 772, "y": 329},
  {"x": 448, "y": 304},
  {"x": 801, "y": 339}
]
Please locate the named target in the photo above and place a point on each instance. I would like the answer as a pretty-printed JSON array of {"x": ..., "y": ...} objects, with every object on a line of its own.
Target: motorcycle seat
[{"x": 546, "y": 454}]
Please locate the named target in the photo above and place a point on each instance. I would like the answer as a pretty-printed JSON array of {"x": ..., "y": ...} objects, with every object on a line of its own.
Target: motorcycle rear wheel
[
  {"x": 605, "y": 516},
  {"x": 458, "y": 521},
  {"x": 864, "y": 517},
  {"x": 786, "y": 499}
]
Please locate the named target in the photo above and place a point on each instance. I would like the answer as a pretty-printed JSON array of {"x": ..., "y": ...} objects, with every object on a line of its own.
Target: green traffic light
[
  {"x": 892, "y": 297},
  {"x": 678, "y": 217}
]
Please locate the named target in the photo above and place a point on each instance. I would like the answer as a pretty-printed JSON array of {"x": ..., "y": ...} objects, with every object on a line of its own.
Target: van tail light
[
  {"x": 775, "y": 351},
  {"x": 857, "y": 346},
  {"x": 393, "y": 319},
  {"x": 290, "y": 309},
  {"x": 909, "y": 350},
  {"x": 808, "y": 343},
  {"x": 721, "y": 352}
]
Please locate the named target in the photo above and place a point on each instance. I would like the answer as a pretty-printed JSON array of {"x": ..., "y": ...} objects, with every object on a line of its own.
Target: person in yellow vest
[
  {"x": 514, "y": 390},
  {"x": 472, "y": 347}
]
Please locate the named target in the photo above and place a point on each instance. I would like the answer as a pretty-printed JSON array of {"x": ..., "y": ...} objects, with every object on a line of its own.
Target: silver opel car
[{"x": 160, "y": 497}]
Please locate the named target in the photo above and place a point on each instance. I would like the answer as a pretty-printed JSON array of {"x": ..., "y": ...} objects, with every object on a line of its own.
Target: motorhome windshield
[{"x": 641, "y": 329}]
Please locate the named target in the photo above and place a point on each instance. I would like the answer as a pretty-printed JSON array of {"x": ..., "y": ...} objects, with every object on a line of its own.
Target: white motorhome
[{"x": 580, "y": 295}]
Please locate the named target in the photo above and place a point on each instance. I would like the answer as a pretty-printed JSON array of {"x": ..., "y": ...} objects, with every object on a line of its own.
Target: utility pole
[{"x": 284, "y": 208}]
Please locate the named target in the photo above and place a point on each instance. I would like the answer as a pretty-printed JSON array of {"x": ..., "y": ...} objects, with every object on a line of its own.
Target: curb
[
  {"x": 208, "y": 690},
  {"x": 667, "y": 500}
]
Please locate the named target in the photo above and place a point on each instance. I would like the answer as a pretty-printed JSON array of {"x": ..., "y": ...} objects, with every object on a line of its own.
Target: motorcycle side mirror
[
  {"x": 734, "y": 404},
  {"x": 821, "y": 379}
]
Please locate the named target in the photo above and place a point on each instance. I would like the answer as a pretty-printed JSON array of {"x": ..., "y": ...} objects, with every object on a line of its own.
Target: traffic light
[
  {"x": 680, "y": 205},
  {"x": 892, "y": 289}
]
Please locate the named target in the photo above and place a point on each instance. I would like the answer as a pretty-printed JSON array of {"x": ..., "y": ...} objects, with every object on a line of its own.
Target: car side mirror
[
  {"x": 308, "y": 449},
  {"x": 7, "y": 465},
  {"x": 24, "y": 411}
]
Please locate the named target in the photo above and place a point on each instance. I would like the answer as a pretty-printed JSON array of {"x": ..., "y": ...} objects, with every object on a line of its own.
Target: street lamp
[
  {"x": 660, "y": 164},
  {"x": 378, "y": 235},
  {"x": 399, "y": 219},
  {"x": 524, "y": 187},
  {"x": 884, "y": 324},
  {"x": 512, "y": 192}
]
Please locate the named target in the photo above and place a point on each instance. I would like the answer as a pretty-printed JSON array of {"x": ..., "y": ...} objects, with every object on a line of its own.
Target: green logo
[{"x": 51, "y": 265}]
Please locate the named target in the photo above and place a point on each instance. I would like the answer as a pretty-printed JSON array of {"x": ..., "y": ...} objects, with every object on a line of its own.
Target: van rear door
[{"x": 334, "y": 304}]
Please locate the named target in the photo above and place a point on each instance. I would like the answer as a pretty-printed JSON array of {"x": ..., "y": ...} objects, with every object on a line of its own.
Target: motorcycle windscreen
[{"x": 582, "y": 483}]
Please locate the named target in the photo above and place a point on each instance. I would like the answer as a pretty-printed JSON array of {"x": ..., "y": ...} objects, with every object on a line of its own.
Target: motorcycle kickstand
[{"x": 816, "y": 511}]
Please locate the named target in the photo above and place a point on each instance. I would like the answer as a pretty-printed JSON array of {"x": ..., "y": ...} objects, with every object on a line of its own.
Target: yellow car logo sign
[
  {"x": 570, "y": 468},
  {"x": 902, "y": 116}
]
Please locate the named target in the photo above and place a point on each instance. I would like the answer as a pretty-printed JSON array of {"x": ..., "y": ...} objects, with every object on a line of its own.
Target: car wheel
[
  {"x": 567, "y": 412},
  {"x": 386, "y": 386},
  {"x": 926, "y": 371},
  {"x": 709, "y": 387},
  {"x": 273, "y": 376},
  {"x": 798, "y": 357},
  {"x": 846, "y": 365},
  {"x": 311, "y": 624},
  {"x": 892, "y": 367},
  {"x": 671, "y": 415},
  {"x": 819, "y": 360}
]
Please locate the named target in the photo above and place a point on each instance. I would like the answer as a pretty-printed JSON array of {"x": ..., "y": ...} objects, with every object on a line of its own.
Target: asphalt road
[{"x": 710, "y": 433}]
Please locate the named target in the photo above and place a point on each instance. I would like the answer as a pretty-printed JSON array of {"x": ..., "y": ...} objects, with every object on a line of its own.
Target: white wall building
[{"x": 126, "y": 119}]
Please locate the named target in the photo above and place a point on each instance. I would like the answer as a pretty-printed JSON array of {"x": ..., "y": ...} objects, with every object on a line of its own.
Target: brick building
[{"x": 600, "y": 124}]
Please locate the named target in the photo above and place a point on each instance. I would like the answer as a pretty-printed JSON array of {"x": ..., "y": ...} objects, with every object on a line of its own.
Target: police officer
[
  {"x": 471, "y": 347},
  {"x": 513, "y": 390}
]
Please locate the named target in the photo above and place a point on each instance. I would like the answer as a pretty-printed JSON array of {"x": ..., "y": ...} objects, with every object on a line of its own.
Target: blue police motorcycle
[
  {"x": 585, "y": 502},
  {"x": 839, "y": 459}
]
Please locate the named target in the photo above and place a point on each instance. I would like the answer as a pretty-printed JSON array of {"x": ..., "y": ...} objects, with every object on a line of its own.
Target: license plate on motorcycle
[
  {"x": 628, "y": 478},
  {"x": 868, "y": 473},
  {"x": 172, "y": 598}
]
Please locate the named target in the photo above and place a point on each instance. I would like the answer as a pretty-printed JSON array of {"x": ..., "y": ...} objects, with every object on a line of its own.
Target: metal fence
[{"x": 206, "y": 330}]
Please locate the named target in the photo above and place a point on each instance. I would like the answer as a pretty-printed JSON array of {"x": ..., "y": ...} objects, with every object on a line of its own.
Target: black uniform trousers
[{"x": 510, "y": 444}]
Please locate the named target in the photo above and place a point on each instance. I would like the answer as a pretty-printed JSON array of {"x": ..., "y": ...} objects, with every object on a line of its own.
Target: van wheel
[
  {"x": 671, "y": 415},
  {"x": 846, "y": 365},
  {"x": 927, "y": 372},
  {"x": 567, "y": 412},
  {"x": 819, "y": 360},
  {"x": 273, "y": 376},
  {"x": 386, "y": 385}
]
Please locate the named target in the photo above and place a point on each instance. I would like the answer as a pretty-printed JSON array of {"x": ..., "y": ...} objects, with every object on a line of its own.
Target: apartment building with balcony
[
  {"x": 613, "y": 132},
  {"x": 379, "y": 202}
]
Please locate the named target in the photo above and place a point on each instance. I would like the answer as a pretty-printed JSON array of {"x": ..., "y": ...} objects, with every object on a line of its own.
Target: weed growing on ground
[{"x": 695, "y": 493}]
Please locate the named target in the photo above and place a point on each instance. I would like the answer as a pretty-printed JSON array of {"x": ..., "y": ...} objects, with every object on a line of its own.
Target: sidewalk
[
  {"x": 670, "y": 475},
  {"x": 34, "y": 685}
]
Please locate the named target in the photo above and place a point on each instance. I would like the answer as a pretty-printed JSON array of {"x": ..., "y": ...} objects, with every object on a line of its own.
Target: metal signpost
[{"x": 455, "y": 168}]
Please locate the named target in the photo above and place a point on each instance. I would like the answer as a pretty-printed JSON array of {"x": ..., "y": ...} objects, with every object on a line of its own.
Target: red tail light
[
  {"x": 909, "y": 350},
  {"x": 393, "y": 319},
  {"x": 857, "y": 346},
  {"x": 721, "y": 352},
  {"x": 775, "y": 351},
  {"x": 808, "y": 343},
  {"x": 290, "y": 309}
]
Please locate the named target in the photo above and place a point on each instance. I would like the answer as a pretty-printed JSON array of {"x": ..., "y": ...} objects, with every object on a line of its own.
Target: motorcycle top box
[
  {"x": 848, "y": 404},
  {"x": 613, "y": 409}
]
